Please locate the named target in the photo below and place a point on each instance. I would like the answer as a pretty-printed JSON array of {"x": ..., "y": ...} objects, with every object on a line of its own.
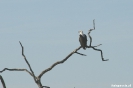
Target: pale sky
[{"x": 48, "y": 30}]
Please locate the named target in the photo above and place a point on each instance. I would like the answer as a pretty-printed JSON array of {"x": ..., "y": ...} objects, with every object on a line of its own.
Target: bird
[{"x": 82, "y": 39}]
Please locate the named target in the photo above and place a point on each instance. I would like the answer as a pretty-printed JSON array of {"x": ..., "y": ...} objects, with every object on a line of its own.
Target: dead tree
[{"x": 37, "y": 79}]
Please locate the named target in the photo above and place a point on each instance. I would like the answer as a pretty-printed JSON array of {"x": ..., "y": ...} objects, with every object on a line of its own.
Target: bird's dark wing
[
  {"x": 85, "y": 37},
  {"x": 82, "y": 41},
  {"x": 85, "y": 40}
]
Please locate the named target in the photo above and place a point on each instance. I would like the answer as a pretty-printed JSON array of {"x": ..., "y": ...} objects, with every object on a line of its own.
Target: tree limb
[
  {"x": 90, "y": 31},
  {"x": 15, "y": 69},
  {"x": 46, "y": 86},
  {"x": 58, "y": 62},
  {"x": 101, "y": 53},
  {"x": 97, "y": 45},
  {"x": 94, "y": 24},
  {"x": 80, "y": 54},
  {"x": 2, "y": 81},
  {"x": 90, "y": 38},
  {"x": 28, "y": 63},
  {"x": 93, "y": 47}
]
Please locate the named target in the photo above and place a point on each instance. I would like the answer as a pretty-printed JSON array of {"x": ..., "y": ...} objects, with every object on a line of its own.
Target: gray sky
[{"x": 48, "y": 30}]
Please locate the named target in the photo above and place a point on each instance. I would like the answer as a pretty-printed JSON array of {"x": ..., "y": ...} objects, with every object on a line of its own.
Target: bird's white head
[{"x": 80, "y": 32}]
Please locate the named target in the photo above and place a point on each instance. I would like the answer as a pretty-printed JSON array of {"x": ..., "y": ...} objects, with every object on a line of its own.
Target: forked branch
[{"x": 93, "y": 47}]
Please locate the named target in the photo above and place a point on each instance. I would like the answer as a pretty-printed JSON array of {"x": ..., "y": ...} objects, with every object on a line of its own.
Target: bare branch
[
  {"x": 80, "y": 54},
  {"x": 100, "y": 51},
  {"x": 27, "y": 62},
  {"x": 2, "y": 81},
  {"x": 46, "y": 86},
  {"x": 94, "y": 24},
  {"x": 97, "y": 45},
  {"x": 58, "y": 62},
  {"x": 15, "y": 69},
  {"x": 89, "y": 31},
  {"x": 91, "y": 42},
  {"x": 90, "y": 39}
]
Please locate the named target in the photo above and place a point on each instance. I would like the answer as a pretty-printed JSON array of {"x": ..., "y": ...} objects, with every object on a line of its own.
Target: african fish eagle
[{"x": 82, "y": 39}]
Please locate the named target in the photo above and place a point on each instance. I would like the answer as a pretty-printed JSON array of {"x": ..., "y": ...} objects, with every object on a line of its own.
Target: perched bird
[{"x": 82, "y": 39}]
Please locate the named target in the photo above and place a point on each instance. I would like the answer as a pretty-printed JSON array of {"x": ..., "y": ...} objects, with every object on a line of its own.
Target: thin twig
[
  {"x": 46, "y": 86},
  {"x": 15, "y": 69},
  {"x": 94, "y": 24},
  {"x": 27, "y": 62},
  {"x": 80, "y": 54},
  {"x": 90, "y": 32},
  {"x": 97, "y": 45},
  {"x": 58, "y": 62}
]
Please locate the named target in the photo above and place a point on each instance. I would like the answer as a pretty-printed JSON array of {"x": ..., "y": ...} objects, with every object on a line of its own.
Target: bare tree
[{"x": 37, "y": 79}]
